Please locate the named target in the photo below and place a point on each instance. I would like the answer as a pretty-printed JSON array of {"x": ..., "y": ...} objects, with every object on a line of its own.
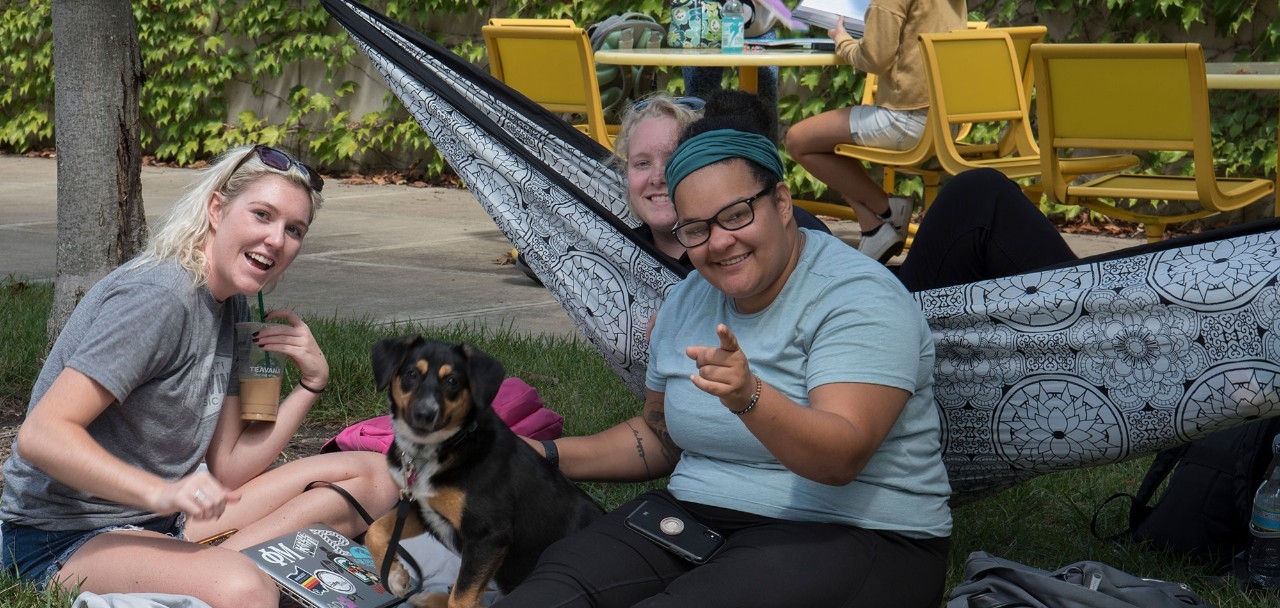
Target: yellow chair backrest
[
  {"x": 1123, "y": 97},
  {"x": 974, "y": 75},
  {"x": 551, "y": 64}
]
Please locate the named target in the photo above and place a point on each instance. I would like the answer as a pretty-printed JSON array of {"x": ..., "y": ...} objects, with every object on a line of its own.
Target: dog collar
[
  {"x": 460, "y": 435},
  {"x": 410, "y": 472}
]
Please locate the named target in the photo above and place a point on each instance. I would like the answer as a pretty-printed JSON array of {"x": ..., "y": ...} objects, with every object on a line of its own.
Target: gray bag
[{"x": 992, "y": 582}]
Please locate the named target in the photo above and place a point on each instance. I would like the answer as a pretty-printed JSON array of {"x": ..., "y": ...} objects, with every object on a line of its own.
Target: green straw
[{"x": 262, "y": 317}]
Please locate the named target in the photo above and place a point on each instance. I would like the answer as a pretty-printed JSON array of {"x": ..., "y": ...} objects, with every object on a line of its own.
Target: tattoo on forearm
[
  {"x": 640, "y": 449},
  {"x": 657, "y": 421}
]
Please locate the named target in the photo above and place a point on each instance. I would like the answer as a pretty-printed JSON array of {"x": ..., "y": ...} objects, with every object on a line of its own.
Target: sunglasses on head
[
  {"x": 280, "y": 161},
  {"x": 693, "y": 103}
]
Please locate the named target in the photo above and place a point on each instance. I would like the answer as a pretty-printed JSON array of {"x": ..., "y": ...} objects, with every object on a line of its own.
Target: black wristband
[
  {"x": 309, "y": 389},
  {"x": 553, "y": 454}
]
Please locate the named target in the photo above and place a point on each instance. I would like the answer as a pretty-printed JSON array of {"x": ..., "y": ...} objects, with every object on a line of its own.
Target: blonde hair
[
  {"x": 658, "y": 106},
  {"x": 183, "y": 230}
]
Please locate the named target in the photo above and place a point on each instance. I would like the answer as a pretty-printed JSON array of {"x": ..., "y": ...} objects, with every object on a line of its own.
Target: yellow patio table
[
  {"x": 753, "y": 58},
  {"x": 1252, "y": 75}
]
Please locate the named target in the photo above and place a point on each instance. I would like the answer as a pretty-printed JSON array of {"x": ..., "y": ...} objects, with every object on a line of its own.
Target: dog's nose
[{"x": 423, "y": 413}]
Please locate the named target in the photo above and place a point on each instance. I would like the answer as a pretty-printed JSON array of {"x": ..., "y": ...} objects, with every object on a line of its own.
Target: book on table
[
  {"x": 811, "y": 44},
  {"x": 824, "y": 13}
]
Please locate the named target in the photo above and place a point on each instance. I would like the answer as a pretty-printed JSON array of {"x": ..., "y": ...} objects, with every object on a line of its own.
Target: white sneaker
[
  {"x": 900, "y": 208},
  {"x": 881, "y": 244}
]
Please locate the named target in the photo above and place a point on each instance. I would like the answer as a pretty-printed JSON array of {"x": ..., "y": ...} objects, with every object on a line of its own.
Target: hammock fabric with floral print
[{"x": 1094, "y": 363}]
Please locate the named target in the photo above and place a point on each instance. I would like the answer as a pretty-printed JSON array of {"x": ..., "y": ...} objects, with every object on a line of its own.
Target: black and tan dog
[{"x": 477, "y": 487}]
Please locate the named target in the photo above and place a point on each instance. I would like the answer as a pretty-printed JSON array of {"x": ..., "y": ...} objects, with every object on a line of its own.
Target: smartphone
[
  {"x": 675, "y": 531},
  {"x": 217, "y": 539}
]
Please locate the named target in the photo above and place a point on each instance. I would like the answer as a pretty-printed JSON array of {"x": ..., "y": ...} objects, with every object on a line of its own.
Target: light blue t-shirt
[{"x": 841, "y": 317}]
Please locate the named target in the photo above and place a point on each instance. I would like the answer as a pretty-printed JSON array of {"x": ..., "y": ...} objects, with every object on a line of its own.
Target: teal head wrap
[{"x": 714, "y": 146}]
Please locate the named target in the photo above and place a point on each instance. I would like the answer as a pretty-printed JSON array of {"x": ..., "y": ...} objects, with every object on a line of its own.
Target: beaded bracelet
[{"x": 755, "y": 398}]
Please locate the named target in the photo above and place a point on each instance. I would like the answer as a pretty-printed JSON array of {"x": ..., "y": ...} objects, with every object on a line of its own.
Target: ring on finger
[{"x": 200, "y": 496}]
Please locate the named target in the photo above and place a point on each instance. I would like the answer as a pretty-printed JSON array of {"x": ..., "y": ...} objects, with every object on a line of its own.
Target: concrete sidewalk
[{"x": 384, "y": 253}]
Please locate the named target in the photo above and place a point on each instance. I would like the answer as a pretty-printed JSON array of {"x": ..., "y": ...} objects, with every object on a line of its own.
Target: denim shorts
[
  {"x": 879, "y": 127},
  {"x": 35, "y": 556}
]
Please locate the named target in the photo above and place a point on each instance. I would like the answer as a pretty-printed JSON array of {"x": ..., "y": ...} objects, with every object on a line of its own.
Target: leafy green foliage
[{"x": 199, "y": 56}]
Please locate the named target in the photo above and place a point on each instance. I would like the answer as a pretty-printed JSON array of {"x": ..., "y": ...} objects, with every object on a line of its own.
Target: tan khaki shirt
[{"x": 890, "y": 49}]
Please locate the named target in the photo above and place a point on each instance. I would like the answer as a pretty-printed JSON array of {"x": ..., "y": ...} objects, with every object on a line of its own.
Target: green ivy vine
[{"x": 197, "y": 56}]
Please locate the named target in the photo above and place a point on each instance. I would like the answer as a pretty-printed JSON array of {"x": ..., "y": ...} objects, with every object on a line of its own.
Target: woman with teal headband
[{"x": 789, "y": 397}]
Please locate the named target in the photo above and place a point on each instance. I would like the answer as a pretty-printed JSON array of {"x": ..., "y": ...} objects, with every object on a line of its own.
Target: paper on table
[{"x": 824, "y": 13}]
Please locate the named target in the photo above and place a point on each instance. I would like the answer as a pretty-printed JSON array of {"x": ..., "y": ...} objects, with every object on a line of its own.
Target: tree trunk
[{"x": 97, "y": 71}]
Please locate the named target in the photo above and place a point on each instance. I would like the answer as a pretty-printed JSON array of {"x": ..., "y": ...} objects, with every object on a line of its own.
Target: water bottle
[
  {"x": 1264, "y": 552},
  {"x": 732, "y": 25}
]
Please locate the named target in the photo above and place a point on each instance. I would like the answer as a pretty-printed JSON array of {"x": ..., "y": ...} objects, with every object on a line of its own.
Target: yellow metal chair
[
  {"x": 552, "y": 64},
  {"x": 1132, "y": 97},
  {"x": 871, "y": 85},
  {"x": 977, "y": 77}
]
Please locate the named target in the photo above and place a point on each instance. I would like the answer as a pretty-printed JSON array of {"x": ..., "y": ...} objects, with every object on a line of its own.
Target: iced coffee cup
[{"x": 259, "y": 372}]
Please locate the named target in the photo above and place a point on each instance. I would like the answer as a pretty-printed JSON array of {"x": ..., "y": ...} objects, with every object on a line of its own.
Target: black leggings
[
  {"x": 981, "y": 226},
  {"x": 764, "y": 562}
]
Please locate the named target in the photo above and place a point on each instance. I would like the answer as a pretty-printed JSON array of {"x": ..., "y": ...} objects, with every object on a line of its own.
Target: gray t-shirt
[{"x": 164, "y": 349}]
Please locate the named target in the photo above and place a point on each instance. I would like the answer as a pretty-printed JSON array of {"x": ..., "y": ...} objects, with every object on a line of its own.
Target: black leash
[{"x": 394, "y": 548}]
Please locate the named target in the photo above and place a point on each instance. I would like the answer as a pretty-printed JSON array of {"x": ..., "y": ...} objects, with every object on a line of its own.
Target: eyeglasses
[
  {"x": 693, "y": 103},
  {"x": 280, "y": 161},
  {"x": 735, "y": 216}
]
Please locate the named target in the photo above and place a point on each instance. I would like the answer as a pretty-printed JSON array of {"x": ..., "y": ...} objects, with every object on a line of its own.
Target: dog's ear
[
  {"x": 387, "y": 355},
  {"x": 486, "y": 375}
]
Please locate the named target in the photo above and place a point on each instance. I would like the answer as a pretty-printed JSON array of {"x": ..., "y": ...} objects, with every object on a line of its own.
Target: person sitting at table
[
  {"x": 814, "y": 452},
  {"x": 889, "y": 50}
]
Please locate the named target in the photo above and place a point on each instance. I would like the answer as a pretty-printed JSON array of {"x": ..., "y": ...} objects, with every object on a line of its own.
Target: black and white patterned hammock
[{"x": 1094, "y": 363}]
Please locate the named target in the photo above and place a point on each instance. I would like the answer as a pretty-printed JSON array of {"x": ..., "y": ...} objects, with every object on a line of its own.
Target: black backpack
[
  {"x": 1205, "y": 509},
  {"x": 623, "y": 85}
]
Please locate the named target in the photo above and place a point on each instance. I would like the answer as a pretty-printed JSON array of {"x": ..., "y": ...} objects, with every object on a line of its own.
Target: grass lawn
[{"x": 1042, "y": 523}]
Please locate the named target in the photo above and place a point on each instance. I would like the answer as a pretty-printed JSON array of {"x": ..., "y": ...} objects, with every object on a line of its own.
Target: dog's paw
[{"x": 398, "y": 580}]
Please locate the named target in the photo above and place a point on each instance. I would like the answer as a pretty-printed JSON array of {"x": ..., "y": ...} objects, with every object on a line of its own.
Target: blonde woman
[{"x": 133, "y": 445}]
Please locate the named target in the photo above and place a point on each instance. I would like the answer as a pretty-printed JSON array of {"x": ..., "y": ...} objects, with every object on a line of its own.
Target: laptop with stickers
[{"x": 319, "y": 567}]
